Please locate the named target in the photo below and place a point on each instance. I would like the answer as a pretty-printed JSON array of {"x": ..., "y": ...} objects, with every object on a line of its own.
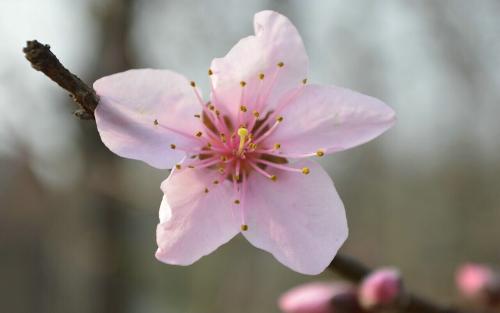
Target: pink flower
[
  {"x": 320, "y": 297},
  {"x": 382, "y": 288},
  {"x": 240, "y": 159},
  {"x": 473, "y": 279}
]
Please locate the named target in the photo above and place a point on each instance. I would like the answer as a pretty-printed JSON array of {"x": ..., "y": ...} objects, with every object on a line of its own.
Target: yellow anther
[
  {"x": 252, "y": 146},
  {"x": 279, "y": 119},
  {"x": 261, "y": 76},
  {"x": 244, "y": 227},
  {"x": 155, "y": 123},
  {"x": 236, "y": 201},
  {"x": 178, "y": 166},
  {"x": 243, "y": 133},
  {"x": 305, "y": 170},
  {"x": 256, "y": 114},
  {"x": 198, "y": 134},
  {"x": 216, "y": 182},
  {"x": 197, "y": 115},
  {"x": 277, "y": 146},
  {"x": 210, "y": 73},
  {"x": 223, "y": 158},
  {"x": 273, "y": 177},
  {"x": 236, "y": 177},
  {"x": 206, "y": 190},
  {"x": 320, "y": 152},
  {"x": 280, "y": 64},
  {"x": 223, "y": 138},
  {"x": 217, "y": 112},
  {"x": 209, "y": 145},
  {"x": 192, "y": 83},
  {"x": 243, "y": 108},
  {"x": 221, "y": 170},
  {"x": 172, "y": 146},
  {"x": 243, "y": 83},
  {"x": 304, "y": 81},
  {"x": 211, "y": 107}
]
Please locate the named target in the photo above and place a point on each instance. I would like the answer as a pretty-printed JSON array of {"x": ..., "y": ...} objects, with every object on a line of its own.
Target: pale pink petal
[
  {"x": 131, "y": 101},
  {"x": 330, "y": 118},
  {"x": 299, "y": 218},
  {"x": 276, "y": 40},
  {"x": 194, "y": 223}
]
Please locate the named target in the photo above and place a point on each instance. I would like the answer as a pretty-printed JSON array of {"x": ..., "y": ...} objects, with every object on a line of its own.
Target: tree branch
[
  {"x": 355, "y": 271},
  {"x": 42, "y": 59}
]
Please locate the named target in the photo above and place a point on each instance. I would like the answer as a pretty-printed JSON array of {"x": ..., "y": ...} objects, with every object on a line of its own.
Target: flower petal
[
  {"x": 330, "y": 118},
  {"x": 300, "y": 219},
  {"x": 131, "y": 102},
  {"x": 276, "y": 40},
  {"x": 194, "y": 223}
]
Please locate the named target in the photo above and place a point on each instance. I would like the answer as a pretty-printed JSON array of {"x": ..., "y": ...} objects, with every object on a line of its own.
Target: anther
[
  {"x": 198, "y": 134},
  {"x": 216, "y": 182},
  {"x": 236, "y": 177},
  {"x": 273, "y": 178},
  {"x": 209, "y": 145},
  {"x": 217, "y": 112},
  {"x": 223, "y": 137},
  {"x": 280, "y": 64},
  {"x": 261, "y": 76},
  {"x": 211, "y": 107},
  {"x": 192, "y": 83},
  {"x": 206, "y": 190},
  {"x": 191, "y": 166},
  {"x": 178, "y": 166},
  {"x": 243, "y": 108},
  {"x": 304, "y": 81},
  {"x": 221, "y": 170},
  {"x": 244, "y": 227},
  {"x": 277, "y": 146},
  {"x": 279, "y": 119},
  {"x": 210, "y": 73},
  {"x": 236, "y": 201},
  {"x": 252, "y": 146},
  {"x": 256, "y": 114},
  {"x": 155, "y": 123},
  {"x": 197, "y": 115},
  {"x": 172, "y": 146},
  {"x": 305, "y": 170},
  {"x": 243, "y": 83},
  {"x": 223, "y": 158},
  {"x": 320, "y": 153}
]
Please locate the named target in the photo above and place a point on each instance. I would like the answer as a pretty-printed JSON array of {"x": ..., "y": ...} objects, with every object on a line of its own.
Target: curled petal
[
  {"x": 142, "y": 112},
  {"x": 330, "y": 119},
  {"x": 276, "y": 41},
  {"x": 196, "y": 216},
  {"x": 298, "y": 218}
]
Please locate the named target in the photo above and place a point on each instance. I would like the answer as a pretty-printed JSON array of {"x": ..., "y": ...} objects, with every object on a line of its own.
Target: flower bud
[
  {"x": 380, "y": 289},
  {"x": 320, "y": 297},
  {"x": 478, "y": 282}
]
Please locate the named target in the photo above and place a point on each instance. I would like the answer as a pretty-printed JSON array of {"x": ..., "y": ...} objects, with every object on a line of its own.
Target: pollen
[
  {"x": 252, "y": 146},
  {"x": 280, "y": 64},
  {"x": 210, "y": 73},
  {"x": 320, "y": 153},
  {"x": 172, "y": 146},
  {"x": 305, "y": 170},
  {"x": 198, "y": 134},
  {"x": 277, "y": 146},
  {"x": 236, "y": 177},
  {"x": 273, "y": 178},
  {"x": 192, "y": 83},
  {"x": 236, "y": 201},
  {"x": 261, "y": 76},
  {"x": 256, "y": 114},
  {"x": 243, "y": 108},
  {"x": 178, "y": 166},
  {"x": 155, "y": 123},
  {"x": 243, "y": 83},
  {"x": 279, "y": 119},
  {"x": 244, "y": 227}
]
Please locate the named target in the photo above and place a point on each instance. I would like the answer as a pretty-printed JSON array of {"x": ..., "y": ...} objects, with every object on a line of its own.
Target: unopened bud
[
  {"x": 479, "y": 283},
  {"x": 319, "y": 297},
  {"x": 381, "y": 289}
]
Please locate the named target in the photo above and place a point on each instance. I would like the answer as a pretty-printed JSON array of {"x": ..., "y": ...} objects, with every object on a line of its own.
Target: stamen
[
  {"x": 178, "y": 166},
  {"x": 261, "y": 171},
  {"x": 277, "y": 146},
  {"x": 304, "y": 170},
  {"x": 173, "y": 146},
  {"x": 243, "y": 108},
  {"x": 279, "y": 119},
  {"x": 320, "y": 153},
  {"x": 244, "y": 227}
]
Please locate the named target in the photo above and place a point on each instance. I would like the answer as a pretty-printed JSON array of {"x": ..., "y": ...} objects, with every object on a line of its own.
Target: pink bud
[
  {"x": 382, "y": 288},
  {"x": 319, "y": 297},
  {"x": 476, "y": 281}
]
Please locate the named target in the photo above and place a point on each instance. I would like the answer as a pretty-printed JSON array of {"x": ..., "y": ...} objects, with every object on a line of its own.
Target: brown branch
[
  {"x": 42, "y": 59},
  {"x": 355, "y": 271}
]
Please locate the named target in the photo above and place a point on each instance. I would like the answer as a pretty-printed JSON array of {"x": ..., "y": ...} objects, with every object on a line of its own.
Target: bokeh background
[{"x": 77, "y": 223}]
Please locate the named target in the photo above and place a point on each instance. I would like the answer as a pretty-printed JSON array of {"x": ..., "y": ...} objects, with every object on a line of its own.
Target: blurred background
[{"x": 77, "y": 223}]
